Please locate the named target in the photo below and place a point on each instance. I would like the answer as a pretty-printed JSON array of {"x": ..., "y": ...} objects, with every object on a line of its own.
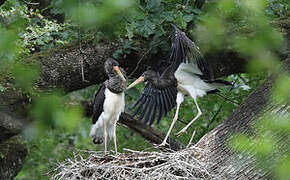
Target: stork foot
[
  {"x": 181, "y": 132},
  {"x": 164, "y": 143}
]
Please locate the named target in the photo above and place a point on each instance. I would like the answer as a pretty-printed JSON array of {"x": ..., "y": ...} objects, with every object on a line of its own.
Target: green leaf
[
  {"x": 282, "y": 88},
  {"x": 153, "y": 5},
  {"x": 147, "y": 28},
  {"x": 167, "y": 16},
  {"x": 189, "y": 17},
  {"x": 2, "y": 89}
]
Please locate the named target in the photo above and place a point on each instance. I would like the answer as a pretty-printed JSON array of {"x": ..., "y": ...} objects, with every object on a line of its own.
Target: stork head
[
  {"x": 112, "y": 68},
  {"x": 146, "y": 76}
]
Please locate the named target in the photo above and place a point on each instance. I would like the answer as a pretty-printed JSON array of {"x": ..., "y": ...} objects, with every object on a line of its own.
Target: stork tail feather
[{"x": 97, "y": 132}]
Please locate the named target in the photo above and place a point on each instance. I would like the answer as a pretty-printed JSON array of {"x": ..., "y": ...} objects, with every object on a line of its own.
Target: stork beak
[
  {"x": 139, "y": 80},
  {"x": 117, "y": 69}
]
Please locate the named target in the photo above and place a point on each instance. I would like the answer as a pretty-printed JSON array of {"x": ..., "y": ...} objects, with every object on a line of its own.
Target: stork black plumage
[
  {"x": 109, "y": 102},
  {"x": 187, "y": 74}
]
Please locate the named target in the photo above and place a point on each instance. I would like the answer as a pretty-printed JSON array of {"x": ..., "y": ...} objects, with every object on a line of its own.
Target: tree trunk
[{"x": 12, "y": 149}]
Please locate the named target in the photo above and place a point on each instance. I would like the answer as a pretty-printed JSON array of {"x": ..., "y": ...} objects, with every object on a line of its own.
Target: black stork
[
  {"x": 109, "y": 102},
  {"x": 187, "y": 74}
]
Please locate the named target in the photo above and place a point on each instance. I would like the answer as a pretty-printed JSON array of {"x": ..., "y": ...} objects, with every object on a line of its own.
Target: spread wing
[
  {"x": 155, "y": 102},
  {"x": 98, "y": 103},
  {"x": 183, "y": 50}
]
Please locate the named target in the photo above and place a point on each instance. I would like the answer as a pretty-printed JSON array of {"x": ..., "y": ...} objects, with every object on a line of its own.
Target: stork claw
[
  {"x": 180, "y": 132},
  {"x": 164, "y": 143}
]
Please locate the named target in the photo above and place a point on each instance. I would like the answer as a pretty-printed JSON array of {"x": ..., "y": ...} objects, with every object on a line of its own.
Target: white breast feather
[{"x": 114, "y": 105}]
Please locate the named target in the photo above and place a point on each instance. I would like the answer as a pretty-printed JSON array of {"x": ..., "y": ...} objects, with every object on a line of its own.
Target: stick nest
[{"x": 134, "y": 165}]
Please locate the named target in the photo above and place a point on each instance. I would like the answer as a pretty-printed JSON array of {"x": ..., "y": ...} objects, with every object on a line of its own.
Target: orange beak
[
  {"x": 117, "y": 69},
  {"x": 139, "y": 80}
]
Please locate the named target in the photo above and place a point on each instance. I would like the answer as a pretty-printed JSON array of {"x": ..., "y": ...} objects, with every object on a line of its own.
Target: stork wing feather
[
  {"x": 183, "y": 50},
  {"x": 98, "y": 103},
  {"x": 155, "y": 102}
]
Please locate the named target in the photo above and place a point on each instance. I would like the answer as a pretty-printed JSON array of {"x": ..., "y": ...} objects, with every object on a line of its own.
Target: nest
[{"x": 134, "y": 165}]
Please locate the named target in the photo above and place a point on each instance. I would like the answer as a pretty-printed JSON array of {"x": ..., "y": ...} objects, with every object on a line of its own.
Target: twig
[
  {"x": 182, "y": 121},
  {"x": 80, "y": 49},
  {"x": 137, "y": 66},
  {"x": 214, "y": 116},
  {"x": 227, "y": 99},
  {"x": 30, "y": 3}
]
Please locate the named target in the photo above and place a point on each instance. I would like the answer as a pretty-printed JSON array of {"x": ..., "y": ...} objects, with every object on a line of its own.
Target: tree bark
[
  {"x": 12, "y": 155},
  {"x": 12, "y": 149}
]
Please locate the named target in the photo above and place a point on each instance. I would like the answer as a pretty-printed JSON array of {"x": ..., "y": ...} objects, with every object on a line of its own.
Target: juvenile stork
[
  {"x": 187, "y": 74},
  {"x": 108, "y": 104}
]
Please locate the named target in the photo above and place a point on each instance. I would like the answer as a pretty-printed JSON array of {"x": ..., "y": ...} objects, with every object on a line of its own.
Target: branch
[{"x": 148, "y": 133}]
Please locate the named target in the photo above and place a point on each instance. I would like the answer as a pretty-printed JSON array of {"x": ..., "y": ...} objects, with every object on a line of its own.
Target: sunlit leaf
[{"x": 282, "y": 88}]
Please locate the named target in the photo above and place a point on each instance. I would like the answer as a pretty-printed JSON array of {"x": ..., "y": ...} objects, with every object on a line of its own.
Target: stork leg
[
  {"x": 105, "y": 137},
  {"x": 115, "y": 137},
  {"x": 199, "y": 113},
  {"x": 179, "y": 100},
  {"x": 190, "y": 141}
]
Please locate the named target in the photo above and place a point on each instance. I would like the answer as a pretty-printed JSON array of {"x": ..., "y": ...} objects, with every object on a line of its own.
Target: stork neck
[{"x": 116, "y": 84}]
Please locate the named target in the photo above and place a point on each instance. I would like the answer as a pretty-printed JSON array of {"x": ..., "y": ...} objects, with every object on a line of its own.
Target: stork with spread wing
[{"x": 188, "y": 74}]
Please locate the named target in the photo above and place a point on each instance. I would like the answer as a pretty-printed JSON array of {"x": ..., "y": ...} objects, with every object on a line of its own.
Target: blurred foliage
[
  {"x": 48, "y": 111},
  {"x": 59, "y": 128}
]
